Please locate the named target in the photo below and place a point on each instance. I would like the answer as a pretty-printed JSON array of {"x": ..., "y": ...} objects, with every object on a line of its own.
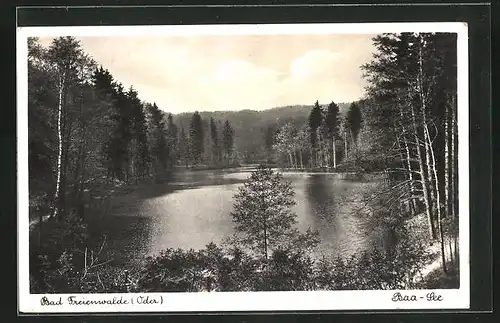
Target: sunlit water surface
[{"x": 194, "y": 209}]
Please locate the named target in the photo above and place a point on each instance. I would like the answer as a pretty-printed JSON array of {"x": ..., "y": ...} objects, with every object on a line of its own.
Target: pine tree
[
  {"x": 227, "y": 141},
  {"x": 121, "y": 135},
  {"x": 159, "y": 146},
  {"x": 196, "y": 136},
  {"x": 215, "y": 141},
  {"x": 140, "y": 156},
  {"x": 354, "y": 121},
  {"x": 104, "y": 86},
  {"x": 269, "y": 136},
  {"x": 183, "y": 148},
  {"x": 331, "y": 120},
  {"x": 315, "y": 119},
  {"x": 172, "y": 138},
  {"x": 263, "y": 217}
]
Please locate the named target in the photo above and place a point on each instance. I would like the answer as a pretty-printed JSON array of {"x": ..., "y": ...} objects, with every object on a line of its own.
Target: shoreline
[{"x": 123, "y": 190}]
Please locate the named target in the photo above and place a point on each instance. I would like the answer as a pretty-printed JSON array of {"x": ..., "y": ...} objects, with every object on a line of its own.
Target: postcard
[{"x": 229, "y": 168}]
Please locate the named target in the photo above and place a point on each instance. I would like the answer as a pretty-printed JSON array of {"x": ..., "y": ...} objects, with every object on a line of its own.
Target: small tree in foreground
[{"x": 263, "y": 217}]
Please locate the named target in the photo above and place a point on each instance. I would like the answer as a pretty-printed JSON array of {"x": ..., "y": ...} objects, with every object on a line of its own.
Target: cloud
[
  {"x": 315, "y": 64},
  {"x": 243, "y": 72},
  {"x": 320, "y": 75},
  {"x": 233, "y": 85}
]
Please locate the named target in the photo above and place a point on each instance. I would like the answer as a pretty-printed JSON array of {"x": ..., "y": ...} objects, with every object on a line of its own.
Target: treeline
[
  {"x": 324, "y": 140},
  {"x": 89, "y": 135},
  {"x": 250, "y": 127},
  {"x": 410, "y": 123},
  {"x": 209, "y": 143}
]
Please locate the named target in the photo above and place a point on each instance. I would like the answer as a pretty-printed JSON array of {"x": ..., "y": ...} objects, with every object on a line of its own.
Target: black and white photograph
[{"x": 216, "y": 160}]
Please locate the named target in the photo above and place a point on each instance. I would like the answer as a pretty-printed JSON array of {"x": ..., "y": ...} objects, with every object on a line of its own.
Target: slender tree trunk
[
  {"x": 403, "y": 166},
  {"x": 301, "y": 161},
  {"x": 311, "y": 157},
  {"x": 432, "y": 185},
  {"x": 453, "y": 173},
  {"x": 451, "y": 250},
  {"x": 60, "y": 148},
  {"x": 319, "y": 148},
  {"x": 295, "y": 158},
  {"x": 265, "y": 240},
  {"x": 447, "y": 162},
  {"x": 438, "y": 204},
  {"x": 334, "y": 149},
  {"x": 427, "y": 140},
  {"x": 324, "y": 149},
  {"x": 345, "y": 144},
  {"x": 423, "y": 177},
  {"x": 408, "y": 160},
  {"x": 448, "y": 188},
  {"x": 326, "y": 154}
]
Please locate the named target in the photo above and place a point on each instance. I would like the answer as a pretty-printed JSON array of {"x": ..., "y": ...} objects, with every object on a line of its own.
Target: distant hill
[{"x": 249, "y": 125}]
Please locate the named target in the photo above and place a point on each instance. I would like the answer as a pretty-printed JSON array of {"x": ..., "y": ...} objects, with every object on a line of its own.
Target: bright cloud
[
  {"x": 233, "y": 73},
  {"x": 315, "y": 64}
]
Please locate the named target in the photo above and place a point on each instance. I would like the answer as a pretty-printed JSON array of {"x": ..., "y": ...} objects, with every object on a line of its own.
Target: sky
[{"x": 235, "y": 72}]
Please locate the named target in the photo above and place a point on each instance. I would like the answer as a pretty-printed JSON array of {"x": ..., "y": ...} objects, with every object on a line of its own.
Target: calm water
[{"x": 194, "y": 210}]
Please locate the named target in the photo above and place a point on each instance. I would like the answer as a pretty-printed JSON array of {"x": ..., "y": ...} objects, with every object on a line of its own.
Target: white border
[{"x": 246, "y": 301}]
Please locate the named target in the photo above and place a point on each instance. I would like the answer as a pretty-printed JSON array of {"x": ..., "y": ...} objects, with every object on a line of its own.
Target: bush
[
  {"x": 287, "y": 271},
  {"x": 395, "y": 268},
  {"x": 64, "y": 261},
  {"x": 215, "y": 269}
]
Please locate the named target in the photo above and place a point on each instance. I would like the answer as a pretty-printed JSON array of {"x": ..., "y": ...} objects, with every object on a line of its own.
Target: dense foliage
[{"x": 411, "y": 125}]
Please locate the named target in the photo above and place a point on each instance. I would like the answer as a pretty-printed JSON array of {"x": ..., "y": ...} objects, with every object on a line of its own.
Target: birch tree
[
  {"x": 66, "y": 55},
  {"x": 411, "y": 71}
]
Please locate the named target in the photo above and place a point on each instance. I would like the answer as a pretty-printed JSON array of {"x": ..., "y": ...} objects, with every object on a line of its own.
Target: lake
[{"x": 193, "y": 209}]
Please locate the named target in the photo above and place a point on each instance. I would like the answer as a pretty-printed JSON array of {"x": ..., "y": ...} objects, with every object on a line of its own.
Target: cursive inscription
[
  {"x": 430, "y": 297},
  {"x": 83, "y": 301},
  {"x": 73, "y": 300},
  {"x": 433, "y": 297},
  {"x": 398, "y": 297},
  {"x": 45, "y": 301},
  {"x": 147, "y": 300}
]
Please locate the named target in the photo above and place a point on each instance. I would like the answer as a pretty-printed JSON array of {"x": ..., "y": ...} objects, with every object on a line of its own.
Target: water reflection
[{"x": 194, "y": 210}]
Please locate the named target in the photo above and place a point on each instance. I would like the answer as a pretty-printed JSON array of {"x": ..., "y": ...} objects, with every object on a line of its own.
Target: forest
[{"x": 90, "y": 139}]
